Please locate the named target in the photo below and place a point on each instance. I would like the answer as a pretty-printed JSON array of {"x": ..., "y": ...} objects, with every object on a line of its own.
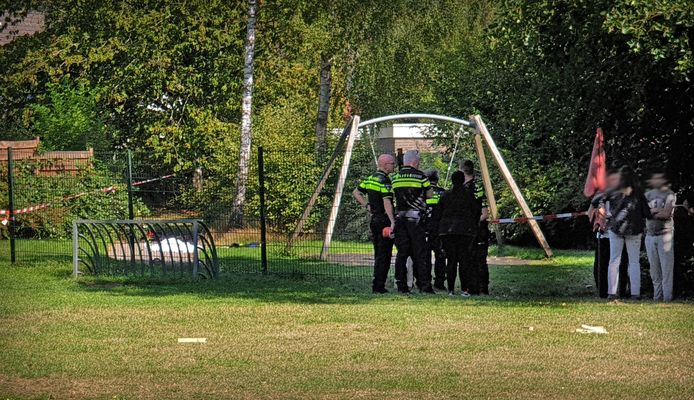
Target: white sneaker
[
  {"x": 451, "y": 293},
  {"x": 465, "y": 293}
]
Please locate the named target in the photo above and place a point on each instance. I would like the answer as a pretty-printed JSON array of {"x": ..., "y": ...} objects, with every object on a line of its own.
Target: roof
[
  {"x": 32, "y": 23},
  {"x": 21, "y": 145}
]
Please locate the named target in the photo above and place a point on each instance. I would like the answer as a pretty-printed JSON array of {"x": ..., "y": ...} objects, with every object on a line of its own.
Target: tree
[
  {"x": 324, "y": 91},
  {"x": 246, "y": 109}
]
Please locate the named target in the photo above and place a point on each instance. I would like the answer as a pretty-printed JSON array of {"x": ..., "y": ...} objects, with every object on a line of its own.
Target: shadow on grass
[
  {"x": 511, "y": 285},
  {"x": 315, "y": 282}
]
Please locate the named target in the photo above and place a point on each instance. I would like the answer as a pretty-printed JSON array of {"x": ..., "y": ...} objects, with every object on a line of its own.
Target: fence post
[
  {"x": 75, "y": 250},
  {"x": 263, "y": 222},
  {"x": 131, "y": 210},
  {"x": 10, "y": 191},
  {"x": 196, "y": 238}
]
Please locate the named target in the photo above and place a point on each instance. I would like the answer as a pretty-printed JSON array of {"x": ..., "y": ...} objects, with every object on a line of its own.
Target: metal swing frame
[{"x": 481, "y": 135}]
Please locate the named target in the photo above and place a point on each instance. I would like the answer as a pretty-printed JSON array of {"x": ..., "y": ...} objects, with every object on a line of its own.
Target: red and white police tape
[
  {"x": 546, "y": 217},
  {"x": 110, "y": 189}
]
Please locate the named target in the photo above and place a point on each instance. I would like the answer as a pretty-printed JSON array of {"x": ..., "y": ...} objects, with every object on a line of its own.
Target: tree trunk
[
  {"x": 323, "y": 106},
  {"x": 245, "y": 146}
]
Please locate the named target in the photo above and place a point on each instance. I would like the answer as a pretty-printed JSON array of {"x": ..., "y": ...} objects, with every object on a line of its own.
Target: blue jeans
[{"x": 633, "y": 245}]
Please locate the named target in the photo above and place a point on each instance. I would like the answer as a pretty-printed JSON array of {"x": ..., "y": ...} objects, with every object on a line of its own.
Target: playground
[{"x": 345, "y": 199}]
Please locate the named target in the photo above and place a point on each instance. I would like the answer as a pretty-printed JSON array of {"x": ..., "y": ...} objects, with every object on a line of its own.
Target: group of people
[
  {"x": 621, "y": 215},
  {"x": 411, "y": 211}
]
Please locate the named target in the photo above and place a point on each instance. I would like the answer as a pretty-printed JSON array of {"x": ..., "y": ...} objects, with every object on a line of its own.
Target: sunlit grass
[{"x": 273, "y": 337}]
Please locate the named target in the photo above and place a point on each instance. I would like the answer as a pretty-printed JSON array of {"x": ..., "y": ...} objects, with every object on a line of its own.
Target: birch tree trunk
[
  {"x": 246, "y": 125},
  {"x": 323, "y": 106}
]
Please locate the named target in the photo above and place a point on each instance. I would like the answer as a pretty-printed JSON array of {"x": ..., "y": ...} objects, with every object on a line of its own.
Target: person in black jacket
[
  {"x": 433, "y": 240},
  {"x": 625, "y": 224},
  {"x": 458, "y": 223}
]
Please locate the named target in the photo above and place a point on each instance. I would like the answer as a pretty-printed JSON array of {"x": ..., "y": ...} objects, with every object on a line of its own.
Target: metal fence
[{"x": 41, "y": 195}]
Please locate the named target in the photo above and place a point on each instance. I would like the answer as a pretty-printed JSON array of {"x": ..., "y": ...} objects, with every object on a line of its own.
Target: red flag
[{"x": 595, "y": 181}]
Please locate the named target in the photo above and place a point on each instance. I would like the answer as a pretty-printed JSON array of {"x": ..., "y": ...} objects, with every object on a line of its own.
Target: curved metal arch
[{"x": 416, "y": 116}]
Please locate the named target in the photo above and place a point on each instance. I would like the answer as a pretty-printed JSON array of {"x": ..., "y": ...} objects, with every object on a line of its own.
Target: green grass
[{"x": 271, "y": 337}]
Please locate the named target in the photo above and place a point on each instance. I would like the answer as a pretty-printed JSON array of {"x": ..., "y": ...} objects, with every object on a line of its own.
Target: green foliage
[
  {"x": 55, "y": 221},
  {"x": 67, "y": 118},
  {"x": 164, "y": 78},
  {"x": 662, "y": 29}
]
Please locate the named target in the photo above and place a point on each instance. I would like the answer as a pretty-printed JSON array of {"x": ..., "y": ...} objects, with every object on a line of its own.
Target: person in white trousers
[
  {"x": 659, "y": 236},
  {"x": 628, "y": 210}
]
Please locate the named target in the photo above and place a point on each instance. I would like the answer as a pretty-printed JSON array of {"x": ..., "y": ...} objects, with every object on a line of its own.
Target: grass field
[{"x": 272, "y": 337}]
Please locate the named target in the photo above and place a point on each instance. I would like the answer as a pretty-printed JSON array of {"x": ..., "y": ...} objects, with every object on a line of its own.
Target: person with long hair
[{"x": 625, "y": 225}]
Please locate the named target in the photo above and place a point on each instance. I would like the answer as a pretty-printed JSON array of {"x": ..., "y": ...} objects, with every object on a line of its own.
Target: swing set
[{"x": 481, "y": 136}]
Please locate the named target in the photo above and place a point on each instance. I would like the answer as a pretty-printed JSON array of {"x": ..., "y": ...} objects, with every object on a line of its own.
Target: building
[
  {"x": 32, "y": 23},
  {"x": 390, "y": 139},
  {"x": 49, "y": 163}
]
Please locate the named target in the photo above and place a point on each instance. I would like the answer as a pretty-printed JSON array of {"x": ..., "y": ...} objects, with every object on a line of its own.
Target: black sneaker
[
  {"x": 428, "y": 290},
  {"x": 484, "y": 291},
  {"x": 380, "y": 291},
  {"x": 439, "y": 286},
  {"x": 404, "y": 290},
  {"x": 612, "y": 297},
  {"x": 635, "y": 297}
]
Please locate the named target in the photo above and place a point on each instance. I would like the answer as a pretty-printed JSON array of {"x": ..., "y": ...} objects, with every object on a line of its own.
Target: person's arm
[
  {"x": 361, "y": 199},
  {"x": 666, "y": 211},
  {"x": 600, "y": 198},
  {"x": 388, "y": 206},
  {"x": 485, "y": 214},
  {"x": 481, "y": 197}
]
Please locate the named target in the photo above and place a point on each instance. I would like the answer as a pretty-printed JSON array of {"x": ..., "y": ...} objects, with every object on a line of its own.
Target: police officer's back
[{"x": 411, "y": 188}]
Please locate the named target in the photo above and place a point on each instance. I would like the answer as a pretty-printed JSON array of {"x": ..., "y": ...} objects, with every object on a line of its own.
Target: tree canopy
[{"x": 165, "y": 77}]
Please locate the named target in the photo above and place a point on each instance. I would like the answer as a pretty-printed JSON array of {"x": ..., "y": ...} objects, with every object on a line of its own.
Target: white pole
[{"x": 338, "y": 190}]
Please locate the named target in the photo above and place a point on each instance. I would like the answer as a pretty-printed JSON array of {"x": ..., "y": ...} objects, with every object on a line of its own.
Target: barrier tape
[
  {"x": 110, "y": 189},
  {"x": 547, "y": 217}
]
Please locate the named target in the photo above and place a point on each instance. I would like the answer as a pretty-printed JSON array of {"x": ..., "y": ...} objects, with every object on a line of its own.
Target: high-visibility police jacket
[
  {"x": 410, "y": 187},
  {"x": 376, "y": 187}
]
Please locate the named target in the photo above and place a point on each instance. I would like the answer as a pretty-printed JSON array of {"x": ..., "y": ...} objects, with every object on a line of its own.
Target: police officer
[
  {"x": 433, "y": 240},
  {"x": 411, "y": 189},
  {"x": 474, "y": 185},
  {"x": 375, "y": 194}
]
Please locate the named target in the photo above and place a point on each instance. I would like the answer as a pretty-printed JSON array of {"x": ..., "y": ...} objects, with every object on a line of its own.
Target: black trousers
[
  {"x": 383, "y": 251},
  {"x": 602, "y": 260},
  {"x": 410, "y": 240},
  {"x": 481, "y": 253},
  {"x": 460, "y": 253},
  {"x": 434, "y": 246}
]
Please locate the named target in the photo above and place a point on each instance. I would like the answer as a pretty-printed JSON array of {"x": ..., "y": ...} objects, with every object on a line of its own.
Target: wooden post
[
  {"x": 321, "y": 183},
  {"x": 488, "y": 189},
  {"x": 338, "y": 190},
  {"x": 482, "y": 129}
]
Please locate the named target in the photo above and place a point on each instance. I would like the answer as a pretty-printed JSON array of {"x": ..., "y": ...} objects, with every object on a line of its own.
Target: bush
[{"x": 55, "y": 221}]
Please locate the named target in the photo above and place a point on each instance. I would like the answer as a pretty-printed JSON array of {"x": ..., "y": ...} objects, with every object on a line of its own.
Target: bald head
[
  {"x": 386, "y": 163},
  {"x": 411, "y": 158}
]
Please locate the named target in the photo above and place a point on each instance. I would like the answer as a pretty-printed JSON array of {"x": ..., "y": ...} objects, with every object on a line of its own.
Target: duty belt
[{"x": 409, "y": 214}]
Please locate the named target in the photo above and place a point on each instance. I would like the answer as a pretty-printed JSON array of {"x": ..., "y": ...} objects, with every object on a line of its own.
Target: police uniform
[
  {"x": 482, "y": 240},
  {"x": 376, "y": 188},
  {"x": 433, "y": 241},
  {"x": 410, "y": 187}
]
